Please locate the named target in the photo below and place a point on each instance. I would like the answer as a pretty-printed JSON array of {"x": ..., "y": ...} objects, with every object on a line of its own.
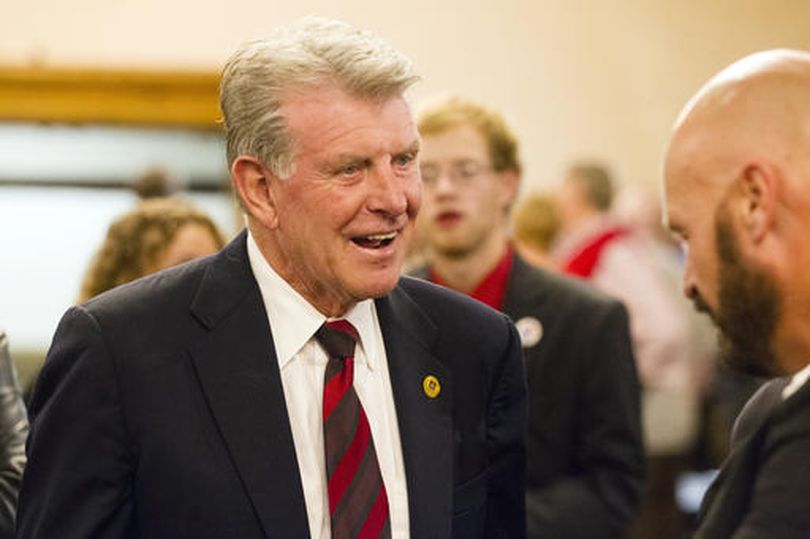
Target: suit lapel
[
  {"x": 727, "y": 499},
  {"x": 758, "y": 409},
  {"x": 237, "y": 369},
  {"x": 425, "y": 424}
]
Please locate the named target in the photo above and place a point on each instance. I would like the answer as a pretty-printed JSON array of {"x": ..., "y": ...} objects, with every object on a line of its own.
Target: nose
[
  {"x": 443, "y": 184},
  {"x": 388, "y": 192}
]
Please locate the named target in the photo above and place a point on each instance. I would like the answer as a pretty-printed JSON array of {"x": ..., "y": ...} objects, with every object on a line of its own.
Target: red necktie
[{"x": 358, "y": 504}]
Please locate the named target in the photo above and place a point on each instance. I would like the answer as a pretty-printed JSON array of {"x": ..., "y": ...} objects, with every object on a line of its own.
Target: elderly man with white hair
[{"x": 292, "y": 385}]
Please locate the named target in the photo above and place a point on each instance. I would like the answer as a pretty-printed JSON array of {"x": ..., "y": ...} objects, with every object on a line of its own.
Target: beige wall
[{"x": 594, "y": 78}]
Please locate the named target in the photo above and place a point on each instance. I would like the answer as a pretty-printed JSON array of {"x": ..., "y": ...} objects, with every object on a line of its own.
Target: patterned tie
[{"x": 358, "y": 504}]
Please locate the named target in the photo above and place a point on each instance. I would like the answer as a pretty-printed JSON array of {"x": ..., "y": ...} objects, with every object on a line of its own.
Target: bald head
[
  {"x": 737, "y": 191},
  {"x": 760, "y": 75},
  {"x": 757, "y": 109}
]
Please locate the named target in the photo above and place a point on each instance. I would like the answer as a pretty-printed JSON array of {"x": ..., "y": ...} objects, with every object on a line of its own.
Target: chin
[{"x": 375, "y": 286}]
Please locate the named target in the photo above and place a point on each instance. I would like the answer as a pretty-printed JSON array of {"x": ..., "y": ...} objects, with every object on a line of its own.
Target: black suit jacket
[
  {"x": 585, "y": 472},
  {"x": 585, "y": 456},
  {"x": 763, "y": 489},
  {"x": 160, "y": 413}
]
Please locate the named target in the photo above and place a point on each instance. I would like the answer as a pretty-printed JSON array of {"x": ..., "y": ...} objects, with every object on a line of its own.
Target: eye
[
  {"x": 404, "y": 160},
  {"x": 350, "y": 169}
]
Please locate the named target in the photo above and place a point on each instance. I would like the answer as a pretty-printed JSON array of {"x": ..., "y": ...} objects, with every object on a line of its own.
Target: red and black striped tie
[{"x": 358, "y": 504}]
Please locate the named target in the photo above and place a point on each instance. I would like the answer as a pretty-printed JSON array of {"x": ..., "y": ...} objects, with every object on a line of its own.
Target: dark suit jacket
[
  {"x": 160, "y": 413},
  {"x": 585, "y": 456},
  {"x": 763, "y": 489},
  {"x": 585, "y": 472}
]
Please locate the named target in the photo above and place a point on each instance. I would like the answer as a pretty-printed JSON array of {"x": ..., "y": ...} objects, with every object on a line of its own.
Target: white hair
[{"x": 312, "y": 52}]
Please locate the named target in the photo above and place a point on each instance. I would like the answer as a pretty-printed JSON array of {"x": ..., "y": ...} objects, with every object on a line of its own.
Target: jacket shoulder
[
  {"x": 441, "y": 303},
  {"x": 529, "y": 285},
  {"x": 156, "y": 293}
]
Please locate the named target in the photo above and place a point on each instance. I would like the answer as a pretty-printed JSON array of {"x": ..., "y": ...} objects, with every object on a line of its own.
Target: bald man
[{"x": 737, "y": 188}]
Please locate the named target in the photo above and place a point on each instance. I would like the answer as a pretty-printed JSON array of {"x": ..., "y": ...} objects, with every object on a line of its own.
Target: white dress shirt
[
  {"x": 302, "y": 363},
  {"x": 796, "y": 382}
]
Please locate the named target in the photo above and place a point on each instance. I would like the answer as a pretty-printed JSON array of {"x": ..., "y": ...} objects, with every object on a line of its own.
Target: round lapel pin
[
  {"x": 431, "y": 386},
  {"x": 530, "y": 330}
]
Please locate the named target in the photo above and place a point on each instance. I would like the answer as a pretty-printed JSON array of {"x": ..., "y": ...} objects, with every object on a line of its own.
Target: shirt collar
[
  {"x": 492, "y": 289},
  {"x": 294, "y": 320},
  {"x": 796, "y": 382},
  {"x": 363, "y": 317}
]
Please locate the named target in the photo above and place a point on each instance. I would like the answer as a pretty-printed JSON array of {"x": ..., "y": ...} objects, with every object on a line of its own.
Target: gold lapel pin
[{"x": 431, "y": 386}]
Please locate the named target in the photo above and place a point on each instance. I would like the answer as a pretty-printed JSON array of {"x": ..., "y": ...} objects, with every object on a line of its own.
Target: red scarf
[{"x": 584, "y": 262}]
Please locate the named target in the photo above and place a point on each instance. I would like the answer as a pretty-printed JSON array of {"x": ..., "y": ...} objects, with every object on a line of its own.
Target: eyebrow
[{"x": 414, "y": 148}]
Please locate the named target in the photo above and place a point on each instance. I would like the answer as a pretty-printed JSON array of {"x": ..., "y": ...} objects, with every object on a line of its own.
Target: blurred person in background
[
  {"x": 723, "y": 390},
  {"x": 585, "y": 457},
  {"x": 595, "y": 245},
  {"x": 536, "y": 224},
  {"x": 13, "y": 433},
  {"x": 157, "y": 234},
  {"x": 737, "y": 188},
  {"x": 156, "y": 182}
]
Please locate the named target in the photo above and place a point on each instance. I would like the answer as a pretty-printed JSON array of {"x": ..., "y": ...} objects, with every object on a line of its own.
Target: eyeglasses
[{"x": 460, "y": 173}]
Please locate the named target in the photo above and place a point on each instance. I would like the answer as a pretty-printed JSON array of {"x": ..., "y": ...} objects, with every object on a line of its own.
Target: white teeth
[{"x": 382, "y": 237}]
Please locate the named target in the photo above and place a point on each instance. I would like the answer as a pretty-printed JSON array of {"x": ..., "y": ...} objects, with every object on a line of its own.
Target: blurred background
[{"x": 97, "y": 95}]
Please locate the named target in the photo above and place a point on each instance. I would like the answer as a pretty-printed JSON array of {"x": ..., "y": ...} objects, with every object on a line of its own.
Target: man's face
[
  {"x": 465, "y": 200},
  {"x": 742, "y": 300},
  {"x": 345, "y": 216},
  {"x": 748, "y": 306}
]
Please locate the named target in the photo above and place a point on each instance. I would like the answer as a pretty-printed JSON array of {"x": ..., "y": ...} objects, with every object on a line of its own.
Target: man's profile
[{"x": 737, "y": 192}]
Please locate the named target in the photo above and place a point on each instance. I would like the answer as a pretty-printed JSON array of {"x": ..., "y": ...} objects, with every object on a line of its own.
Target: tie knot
[{"x": 337, "y": 338}]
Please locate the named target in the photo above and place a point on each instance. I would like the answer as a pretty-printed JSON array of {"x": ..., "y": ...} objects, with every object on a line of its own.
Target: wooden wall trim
[{"x": 182, "y": 99}]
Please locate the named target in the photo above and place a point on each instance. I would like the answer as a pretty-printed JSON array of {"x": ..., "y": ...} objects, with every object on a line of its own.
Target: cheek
[
  {"x": 414, "y": 196},
  {"x": 703, "y": 261}
]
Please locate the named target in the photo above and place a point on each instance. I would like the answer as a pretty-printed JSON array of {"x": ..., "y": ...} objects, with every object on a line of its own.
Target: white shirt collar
[
  {"x": 796, "y": 382},
  {"x": 294, "y": 320}
]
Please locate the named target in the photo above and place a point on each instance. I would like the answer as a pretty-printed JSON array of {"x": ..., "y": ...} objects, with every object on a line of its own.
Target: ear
[
  {"x": 757, "y": 187},
  {"x": 252, "y": 182},
  {"x": 510, "y": 181}
]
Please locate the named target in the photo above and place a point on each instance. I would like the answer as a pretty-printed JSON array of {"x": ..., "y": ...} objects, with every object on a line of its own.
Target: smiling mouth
[{"x": 375, "y": 241}]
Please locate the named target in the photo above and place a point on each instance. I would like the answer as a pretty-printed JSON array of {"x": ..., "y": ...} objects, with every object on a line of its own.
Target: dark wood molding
[{"x": 147, "y": 98}]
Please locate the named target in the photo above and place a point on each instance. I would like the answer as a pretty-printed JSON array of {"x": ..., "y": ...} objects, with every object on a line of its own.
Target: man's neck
[
  {"x": 463, "y": 273},
  {"x": 312, "y": 292}
]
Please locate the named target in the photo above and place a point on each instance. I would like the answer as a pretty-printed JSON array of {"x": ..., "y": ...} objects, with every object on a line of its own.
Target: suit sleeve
[
  {"x": 78, "y": 480},
  {"x": 602, "y": 497},
  {"x": 506, "y": 439}
]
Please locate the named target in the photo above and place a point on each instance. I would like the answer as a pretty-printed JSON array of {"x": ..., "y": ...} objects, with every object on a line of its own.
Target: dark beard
[{"x": 749, "y": 307}]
